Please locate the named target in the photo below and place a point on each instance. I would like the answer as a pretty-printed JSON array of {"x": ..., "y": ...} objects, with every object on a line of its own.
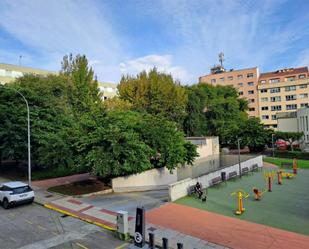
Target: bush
[
  {"x": 53, "y": 173},
  {"x": 292, "y": 154}
]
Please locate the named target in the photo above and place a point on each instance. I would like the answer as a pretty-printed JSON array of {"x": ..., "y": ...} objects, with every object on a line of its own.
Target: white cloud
[
  {"x": 303, "y": 59},
  {"x": 162, "y": 62}
]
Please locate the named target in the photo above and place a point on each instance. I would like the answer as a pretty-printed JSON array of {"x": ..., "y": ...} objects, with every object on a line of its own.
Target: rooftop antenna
[
  {"x": 20, "y": 57},
  {"x": 221, "y": 58}
]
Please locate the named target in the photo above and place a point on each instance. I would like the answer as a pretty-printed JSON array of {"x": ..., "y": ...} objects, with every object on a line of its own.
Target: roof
[
  {"x": 107, "y": 84},
  {"x": 229, "y": 71},
  {"x": 284, "y": 72},
  {"x": 25, "y": 69},
  {"x": 16, "y": 184}
]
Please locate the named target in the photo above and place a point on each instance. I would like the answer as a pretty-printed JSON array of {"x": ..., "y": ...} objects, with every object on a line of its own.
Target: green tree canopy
[{"x": 156, "y": 93}]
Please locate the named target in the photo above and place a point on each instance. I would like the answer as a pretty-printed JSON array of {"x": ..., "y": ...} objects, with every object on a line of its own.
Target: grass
[
  {"x": 303, "y": 164},
  {"x": 80, "y": 188},
  {"x": 286, "y": 207}
]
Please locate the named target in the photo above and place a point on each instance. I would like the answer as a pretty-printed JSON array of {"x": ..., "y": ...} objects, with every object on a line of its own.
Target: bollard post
[
  {"x": 164, "y": 243},
  {"x": 179, "y": 246},
  {"x": 151, "y": 241}
]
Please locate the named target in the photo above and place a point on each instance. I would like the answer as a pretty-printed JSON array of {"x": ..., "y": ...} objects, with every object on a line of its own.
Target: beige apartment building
[
  {"x": 8, "y": 72},
  {"x": 245, "y": 80},
  {"x": 108, "y": 90},
  {"x": 284, "y": 90}
]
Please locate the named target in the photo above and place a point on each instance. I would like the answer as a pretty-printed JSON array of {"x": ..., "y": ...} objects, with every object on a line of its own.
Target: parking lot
[{"x": 35, "y": 227}]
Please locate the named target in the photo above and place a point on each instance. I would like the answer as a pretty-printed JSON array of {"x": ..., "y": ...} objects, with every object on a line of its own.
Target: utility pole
[
  {"x": 238, "y": 143},
  {"x": 273, "y": 144}
]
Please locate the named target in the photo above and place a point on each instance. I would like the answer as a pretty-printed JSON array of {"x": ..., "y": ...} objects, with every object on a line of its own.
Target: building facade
[
  {"x": 108, "y": 90},
  {"x": 245, "y": 80},
  {"x": 303, "y": 126},
  {"x": 8, "y": 72},
  {"x": 285, "y": 90}
]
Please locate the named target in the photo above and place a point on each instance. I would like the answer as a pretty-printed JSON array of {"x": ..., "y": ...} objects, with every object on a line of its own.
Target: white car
[{"x": 12, "y": 193}]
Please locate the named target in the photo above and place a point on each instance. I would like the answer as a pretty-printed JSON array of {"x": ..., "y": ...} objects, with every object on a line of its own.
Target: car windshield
[{"x": 21, "y": 190}]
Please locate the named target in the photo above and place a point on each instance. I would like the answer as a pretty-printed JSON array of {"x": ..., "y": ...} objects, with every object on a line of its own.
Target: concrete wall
[
  {"x": 287, "y": 124},
  {"x": 208, "y": 160},
  {"x": 148, "y": 180},
  {"x": 180, "y": 189}
]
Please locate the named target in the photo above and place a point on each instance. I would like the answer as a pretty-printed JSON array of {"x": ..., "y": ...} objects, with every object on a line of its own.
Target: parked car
[{"x": 12, "y": 193}]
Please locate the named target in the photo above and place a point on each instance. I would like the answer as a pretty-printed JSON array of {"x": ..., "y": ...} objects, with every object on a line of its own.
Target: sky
[{"x": 180, "y": 37}]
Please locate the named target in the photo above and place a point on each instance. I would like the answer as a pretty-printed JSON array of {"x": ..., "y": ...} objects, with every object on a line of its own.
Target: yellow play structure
[{"x": 240, "y": 194}]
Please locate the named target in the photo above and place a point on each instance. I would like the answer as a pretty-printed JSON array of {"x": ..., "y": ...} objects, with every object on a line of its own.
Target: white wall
[
  {"x": 180, "y": 189},
  {"x": 148, "y": 180}
]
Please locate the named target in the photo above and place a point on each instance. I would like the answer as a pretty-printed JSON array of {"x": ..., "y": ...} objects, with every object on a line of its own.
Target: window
[
  {"x": 302, "y": 76},
  {"x": 303, "y": 86},
  {"x": 250, "y": 84},
  {"x": 213, "y": 81},
  {"x": 275, "y": 90},
  {"x": 252, "y": 109},
  {"x": 263, "y": 90},
  {"x": 222, "y": 79},
  {"x": 304, "y": 105},
  {"x": 291, "y": 107},
  {"x": 276, "y": 108},
  {"x": 239, "y": 76},
  {"x": 240, "y": 84},
  {"x": 273, "y": 117},
  {"x": 265, "y": 99},
  {"x": 265, "y": 117},
  {"x": 230, "y": 78},
  {"x": 275, "y": 99},
  {"x": 264, "y": 108},
  {"x": 241, "y": 93},
  {"x": 290, "y": 88},
  {"x": 293, "y": 78},
  {"x": 276, "y": 80},
  {"x": 251, "y": 92},
  {"x": 275, "y": 126},
  {"x": 263, "y": 81},
  {"x": 251, "y": 100},
  {"x": 290, "y": 97},
  {"x": 249, "y": 75},
  {"x": 303, "y": 95}
]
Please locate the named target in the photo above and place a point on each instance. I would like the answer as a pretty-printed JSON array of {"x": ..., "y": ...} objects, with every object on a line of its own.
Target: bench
[
  {"x": 287, "y": 165},
  {"x": 216, "y": 180},
  {"x": 244, "y": 170},
  {"x": 232, "y": 174},
  {"x": 255, "y": 167}
]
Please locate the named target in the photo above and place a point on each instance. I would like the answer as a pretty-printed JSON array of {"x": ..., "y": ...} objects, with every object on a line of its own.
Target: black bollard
[
  {"x": 179, "y": 246},
  {"x": 164, "y": 243},
  {"x": 151, "y": 241}
]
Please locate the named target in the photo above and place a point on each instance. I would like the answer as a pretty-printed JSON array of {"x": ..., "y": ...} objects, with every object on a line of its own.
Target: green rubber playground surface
[{"x": 286, "y": 207}]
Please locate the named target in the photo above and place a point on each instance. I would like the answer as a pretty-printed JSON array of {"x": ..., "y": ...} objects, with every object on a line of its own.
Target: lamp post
[
  {"x": 272, "y": 141},
  {"x": 28, "y": 127},
  {"x": 238, "y": 143}
]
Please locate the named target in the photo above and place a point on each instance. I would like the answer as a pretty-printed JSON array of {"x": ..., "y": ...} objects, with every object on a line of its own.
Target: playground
[{"x": 285, "y": 207}]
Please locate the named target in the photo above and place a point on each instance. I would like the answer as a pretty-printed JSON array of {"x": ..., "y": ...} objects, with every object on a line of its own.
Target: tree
[
  {"x": 291, "y": 137},
  {"x": 155, "y": 93}
]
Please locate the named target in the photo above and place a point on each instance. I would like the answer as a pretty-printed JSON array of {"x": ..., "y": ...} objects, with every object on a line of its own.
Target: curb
[{"x": 79, "y": 217}]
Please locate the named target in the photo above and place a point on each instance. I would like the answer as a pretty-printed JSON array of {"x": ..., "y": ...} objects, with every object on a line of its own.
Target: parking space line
[
  {"x": 81, "y": 246},
  {"x": 42, "y": 228},
  {"x": 122, "y": 246},
  {"x": 28, "y": 221}
]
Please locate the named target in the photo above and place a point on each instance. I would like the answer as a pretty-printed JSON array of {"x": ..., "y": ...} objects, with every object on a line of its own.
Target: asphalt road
[{"x": 35, "y": 227}]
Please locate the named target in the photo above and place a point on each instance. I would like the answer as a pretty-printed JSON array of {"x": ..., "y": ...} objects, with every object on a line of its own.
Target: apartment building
[
  {"x": 108, "y": 90},
  {"x": 8, "y": 72},
  {"x": 284, "y": 90},
  {"x": 245, "y": 80}
]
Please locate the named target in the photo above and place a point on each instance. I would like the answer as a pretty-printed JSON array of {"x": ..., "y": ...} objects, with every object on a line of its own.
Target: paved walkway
[
  {"x": 45, "y": 184},
  {"x": 223, "y": 230}
]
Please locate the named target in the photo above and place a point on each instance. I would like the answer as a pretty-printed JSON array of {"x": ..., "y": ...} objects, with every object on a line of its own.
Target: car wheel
[{"x": 6, "y": 204}]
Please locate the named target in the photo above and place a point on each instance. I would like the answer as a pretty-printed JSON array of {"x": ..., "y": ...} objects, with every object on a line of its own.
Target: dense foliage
[
  {"x": 73, "y": 131},
  {"x": 291, "y": 137}
]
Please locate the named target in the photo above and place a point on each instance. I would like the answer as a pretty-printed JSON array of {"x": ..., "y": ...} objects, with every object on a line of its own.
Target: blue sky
[{"x": 179, "y": 37}]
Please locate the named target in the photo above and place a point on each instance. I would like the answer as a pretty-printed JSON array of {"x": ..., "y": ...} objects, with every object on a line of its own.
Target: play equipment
[
  {"x": 241, "y": 194},
  {"x": 295, "y": 166},
  {"x": 269, "y": 177},
  {"x": 279, "y": 176},
  {"x": 288, "y": 175},
  {"x": 258, "y": 193}
]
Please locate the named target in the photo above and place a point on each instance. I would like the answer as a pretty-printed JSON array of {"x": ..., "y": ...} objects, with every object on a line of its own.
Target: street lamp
[
  {"x": 28, "y": 122},
  {"x": 238, "y": 143},
  {"x": 272, "y": 141}
]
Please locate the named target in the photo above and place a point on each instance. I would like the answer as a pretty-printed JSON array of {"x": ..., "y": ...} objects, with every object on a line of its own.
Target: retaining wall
[{"x": 180, "y": 189}]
